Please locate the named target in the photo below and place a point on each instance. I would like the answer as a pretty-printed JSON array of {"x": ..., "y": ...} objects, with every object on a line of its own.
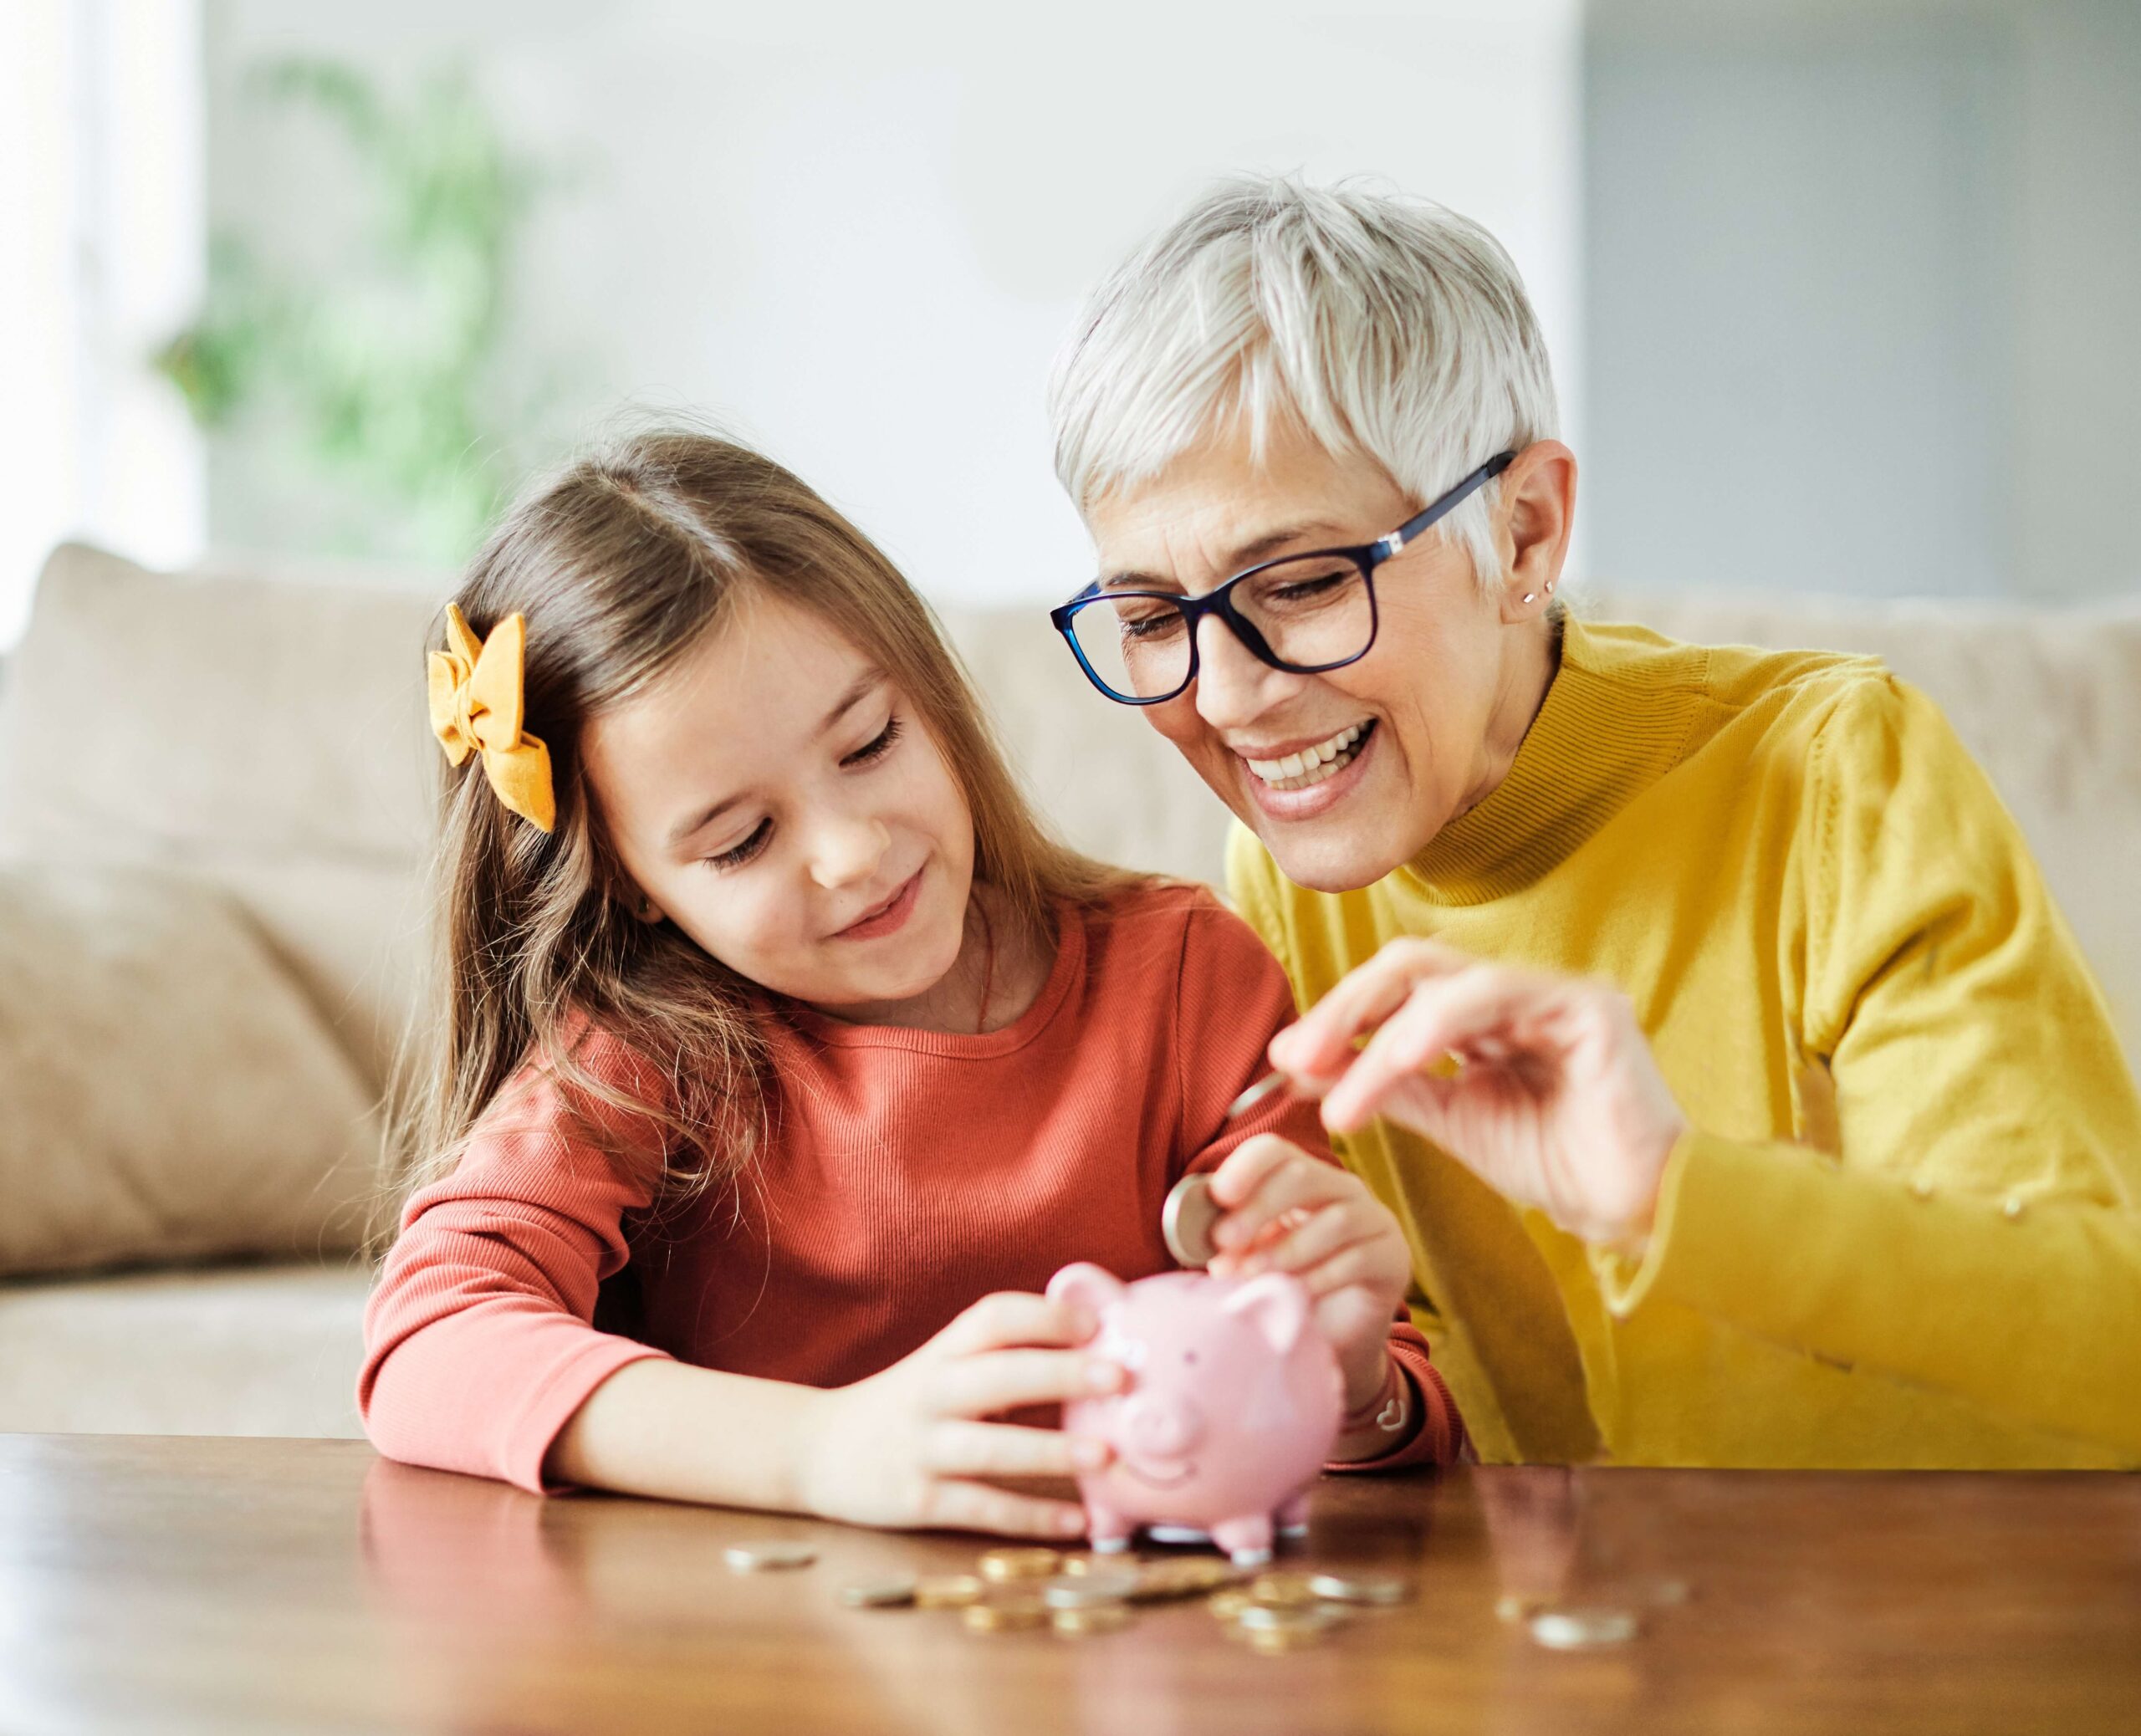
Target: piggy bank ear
[
  {"x": 1275, "y": 1304},
  {"x": 1086, "y": 1286}
]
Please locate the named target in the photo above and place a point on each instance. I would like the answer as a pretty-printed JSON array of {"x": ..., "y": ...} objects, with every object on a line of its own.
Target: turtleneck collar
[{"x": 1613, "y": 723}]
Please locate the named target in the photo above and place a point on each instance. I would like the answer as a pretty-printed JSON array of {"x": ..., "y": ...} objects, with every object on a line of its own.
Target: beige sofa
[{"x": 213, "y": 798}]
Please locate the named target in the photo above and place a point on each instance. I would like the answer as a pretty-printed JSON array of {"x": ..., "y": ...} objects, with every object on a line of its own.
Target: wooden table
[{"x": 230, "y": 1585}]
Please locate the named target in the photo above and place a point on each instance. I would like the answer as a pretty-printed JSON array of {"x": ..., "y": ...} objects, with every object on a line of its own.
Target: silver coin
[
  {"x": 1090, "y": 1591},
  {"x": 767, "y": 1557},
  {"x": 1577, "y": 1630},
  {"x": 1187, "y": 1218},
  {"x": 1288, "y": 1618},
  {"x": 1255, "y": 1095},
  {"x": 892, "y": 1593},
  {"x": 1378, "y": 1588}
]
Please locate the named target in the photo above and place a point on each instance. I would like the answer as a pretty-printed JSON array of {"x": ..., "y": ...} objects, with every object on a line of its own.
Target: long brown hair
[{"x": 619, "y": 563}]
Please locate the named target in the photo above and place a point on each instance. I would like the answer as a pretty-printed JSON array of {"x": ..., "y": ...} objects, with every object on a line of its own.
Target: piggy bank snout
[{"x": 1163, "y": 1424}]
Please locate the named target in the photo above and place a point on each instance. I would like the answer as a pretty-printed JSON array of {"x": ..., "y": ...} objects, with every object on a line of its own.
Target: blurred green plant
[{"x": 386, "y": 374}]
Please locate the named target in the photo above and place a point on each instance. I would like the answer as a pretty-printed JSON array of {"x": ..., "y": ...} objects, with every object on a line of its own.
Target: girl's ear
[{"x": 643, "y": 909}]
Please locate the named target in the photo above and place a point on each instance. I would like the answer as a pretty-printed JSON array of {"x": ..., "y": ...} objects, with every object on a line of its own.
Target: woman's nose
[
  {"x": 847, "y": 849},
  {"x": 1234, "y": 687}
]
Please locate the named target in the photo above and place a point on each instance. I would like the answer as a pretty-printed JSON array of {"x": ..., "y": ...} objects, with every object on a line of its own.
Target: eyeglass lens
[{"x": 1312, "y": 612}]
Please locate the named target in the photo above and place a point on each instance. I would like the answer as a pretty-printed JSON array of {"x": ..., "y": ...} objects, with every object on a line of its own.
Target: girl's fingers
[
  {"x": 963, "y": 1448},
  {"x": 1321, "y": 1236},
  {"x": 1320, "y": 1043},
  {"x": 1013, "y": 1317},
  {"x": 957, "y": 1505},
  {"x": 1304, "y": 1183},
  {"x": 1450, "y": 1012},
  {"x": 993, "y": 1380},
  {"x": 1246, "y": 1167},
  {"x": 1357, "y": 1263}
]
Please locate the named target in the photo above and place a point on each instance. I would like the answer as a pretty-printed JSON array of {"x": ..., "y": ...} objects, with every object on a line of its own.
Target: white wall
[
  {"x": 1862, "y": 295},
  {"x": 101, "y": 259},
  {"x": 858, "y": 232}
]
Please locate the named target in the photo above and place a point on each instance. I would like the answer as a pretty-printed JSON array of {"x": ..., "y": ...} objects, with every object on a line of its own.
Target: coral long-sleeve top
[{"x": 906, "y": 1174}]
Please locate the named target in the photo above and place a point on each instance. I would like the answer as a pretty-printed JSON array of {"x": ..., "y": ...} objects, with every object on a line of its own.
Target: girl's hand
[
  {"x": 1555, "y": 1102},
  {"x": 908, "y": 1447},
  {"x": 1290, "y": 1212}
]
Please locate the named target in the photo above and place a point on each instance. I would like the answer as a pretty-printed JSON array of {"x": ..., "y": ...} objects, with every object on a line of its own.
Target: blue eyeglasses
[{"x": 1301, "y": 613}]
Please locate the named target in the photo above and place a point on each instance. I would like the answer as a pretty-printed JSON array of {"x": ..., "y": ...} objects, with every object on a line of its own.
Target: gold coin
[
  {"x": 1099, "y": 1618},
  {"x": 892, "y": 1593},
  {"x": 1003, "y": 1614},
  {"x": 771, "y": 1557},
  {"x": 1229, "y": 1603},
  {"x": 1182, "y": 1576},
  {"x": 1376, "y": 1588},
  {"x": 1000, "y": 1567},
  {"x": 1086, "y": 1590},
  {"x": 947, "y": 1590},
  {"x": 1279, "y": 1590}
]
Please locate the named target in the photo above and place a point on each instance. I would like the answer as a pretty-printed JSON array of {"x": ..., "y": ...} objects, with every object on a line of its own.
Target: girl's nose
[{"x": 846, "y": 850}]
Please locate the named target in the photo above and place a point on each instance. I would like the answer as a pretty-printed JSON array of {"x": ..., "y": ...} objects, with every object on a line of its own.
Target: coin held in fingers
[{"x": 1187, "y": 1218}]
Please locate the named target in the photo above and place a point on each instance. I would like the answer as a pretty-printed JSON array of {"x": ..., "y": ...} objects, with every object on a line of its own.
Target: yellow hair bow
[{"x": 475, "y": 708}]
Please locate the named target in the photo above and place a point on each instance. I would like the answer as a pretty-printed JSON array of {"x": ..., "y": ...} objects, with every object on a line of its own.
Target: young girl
[{"x": 774, "y": 1032}]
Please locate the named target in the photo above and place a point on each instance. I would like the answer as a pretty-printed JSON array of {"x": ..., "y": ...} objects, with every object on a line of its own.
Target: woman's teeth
[{"x": 1312, "y": 765}]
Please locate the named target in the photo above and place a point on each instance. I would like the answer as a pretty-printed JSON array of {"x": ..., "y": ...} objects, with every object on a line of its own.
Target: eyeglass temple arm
[{"x": 1445, "y": 504}]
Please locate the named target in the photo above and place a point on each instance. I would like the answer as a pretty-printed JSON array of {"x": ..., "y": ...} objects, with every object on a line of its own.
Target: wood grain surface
[{"x": 227, "y": 1586}]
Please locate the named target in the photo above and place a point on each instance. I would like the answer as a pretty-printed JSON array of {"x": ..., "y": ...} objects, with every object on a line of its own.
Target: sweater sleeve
[
  {"x": 1233, "y": 999},
  {"x": 1975, "y": 1228},
  {"x": 478, "y": 1340}
]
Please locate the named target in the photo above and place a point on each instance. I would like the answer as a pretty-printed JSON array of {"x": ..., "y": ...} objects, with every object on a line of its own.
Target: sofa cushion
[
  {"x": 258, "y": 734},
  {"x": 235, "y": 1350},
  {"x": 170, "y": 1093}
]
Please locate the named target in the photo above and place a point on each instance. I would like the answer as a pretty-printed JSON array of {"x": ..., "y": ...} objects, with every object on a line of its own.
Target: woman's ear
[
  {"x": 642, "y": 908},
  {"x": 1532, "y": 527}
]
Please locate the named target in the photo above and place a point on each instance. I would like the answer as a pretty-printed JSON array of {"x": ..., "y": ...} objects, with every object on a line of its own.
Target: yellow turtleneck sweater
[{"x": 1907, "y": 1229}]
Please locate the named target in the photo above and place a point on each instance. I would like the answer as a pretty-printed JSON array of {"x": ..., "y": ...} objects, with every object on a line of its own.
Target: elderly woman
[{"x": 1745, "y": 1097}]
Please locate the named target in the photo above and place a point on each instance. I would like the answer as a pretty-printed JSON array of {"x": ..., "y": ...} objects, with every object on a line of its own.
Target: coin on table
[
  {"x": 1290, "y": 1618},
  {"x": 767, "y": 1557},
  {"x": 1187, "y": 1218},
  {"x": 1089, "y": 1590},
  {"x": 947, "y": 1590},
  {"x": 1006, "y": 1614},
  {"x": 895, "y": 1591},
  {"x": 1279, "y": 1590},
  {"x": 1376, "y": 1588},
  {"x": 1576, "y": 1629},
  {"x": 1229, "y": 1603},
  {"x": 1185, "y": 1576},
  {"x": 1001, "y": 1567},
  {"x": 1082, "y": 1624}
]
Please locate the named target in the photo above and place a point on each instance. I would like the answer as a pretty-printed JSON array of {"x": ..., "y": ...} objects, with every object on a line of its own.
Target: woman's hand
[
  {"x": 1555, "y": 1100},
  {"x": 908, "y": 1447},
  {"x": 1288, "y": 1211}
]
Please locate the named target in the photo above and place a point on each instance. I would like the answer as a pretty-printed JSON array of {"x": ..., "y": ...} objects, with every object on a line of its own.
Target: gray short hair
[{"x": 1385, "y": 326}]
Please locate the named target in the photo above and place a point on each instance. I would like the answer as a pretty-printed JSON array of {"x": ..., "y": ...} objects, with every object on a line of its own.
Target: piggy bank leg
[
  {"x": 1293, "y": 1517},
  {"x": 1247, "y": 1540},
  {"x": 1108, "y": 1531}
]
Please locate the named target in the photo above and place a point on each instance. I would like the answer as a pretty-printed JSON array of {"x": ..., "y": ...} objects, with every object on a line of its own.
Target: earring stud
[{"x": 1530, "y": 596}]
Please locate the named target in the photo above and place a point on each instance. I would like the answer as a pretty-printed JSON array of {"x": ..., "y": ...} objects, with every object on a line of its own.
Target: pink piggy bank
[{"x": 1234, "y": 1400}]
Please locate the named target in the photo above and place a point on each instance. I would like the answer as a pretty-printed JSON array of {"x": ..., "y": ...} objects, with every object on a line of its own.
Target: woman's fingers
[
  {"x": 960, "y": 1448},
  {"x": 1320, "y": 1043},
  {"x": 957, "y": 1505},
  {"x": 994, "y": 1381},
  {"x": 1446, "y": 1014}
]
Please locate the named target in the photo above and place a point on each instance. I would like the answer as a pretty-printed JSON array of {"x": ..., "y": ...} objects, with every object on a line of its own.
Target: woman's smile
[{"x": 890, "y": 917}]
